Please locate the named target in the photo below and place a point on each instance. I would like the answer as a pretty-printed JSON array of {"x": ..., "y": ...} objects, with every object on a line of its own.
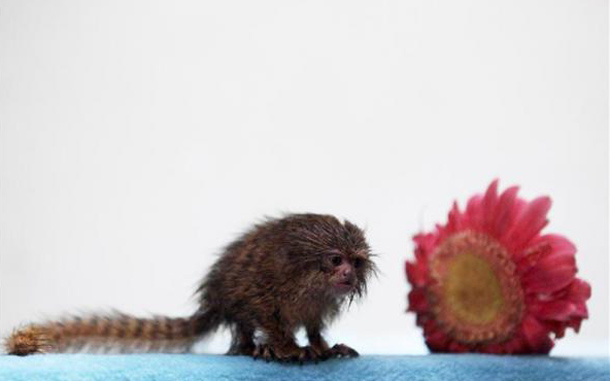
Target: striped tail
[{"x": 113, "y": 332}]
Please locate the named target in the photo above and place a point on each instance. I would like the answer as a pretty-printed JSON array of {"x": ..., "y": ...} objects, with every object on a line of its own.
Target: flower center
[
  {"x": 477, "y": 292},
  {"x": 473, "y": 289}
]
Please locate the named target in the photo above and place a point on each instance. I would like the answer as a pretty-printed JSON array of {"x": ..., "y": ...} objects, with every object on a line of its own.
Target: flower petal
[
  {"x": 547, "y": 251},
  {"x": 560, "y": 310},
  {"x": 488, "y": 205},
  {"x": 552, "y": 268},
  {"x": 417, "y": 300},
  {"x": 454, "y": 220},
  {"x": 548, "y": 280},
  {"x": 436, "y": 340},
  {"x": 536, "y": 335},
  {"x": 575, "y": 324},
  {"x": 425, "y": 244},
  {"x": 505, "y": 213},
  {"x": 416, "y": 273},
  {"x": 474, "y": 212},
  {"x": 529, "y": 223},
  {"x": 579, "y": 290},
  {"x": 456, "y": 347}
]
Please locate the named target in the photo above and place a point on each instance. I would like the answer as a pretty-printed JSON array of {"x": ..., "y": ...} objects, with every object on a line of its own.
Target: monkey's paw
[
  {"x": 300, "y": 355},
  {"x": 341, "y": 350},
  {"x": 263, "y": 351}
]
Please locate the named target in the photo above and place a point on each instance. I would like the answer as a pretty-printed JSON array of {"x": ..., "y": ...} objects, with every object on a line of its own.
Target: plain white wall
[{"x": 139, "y": 137}]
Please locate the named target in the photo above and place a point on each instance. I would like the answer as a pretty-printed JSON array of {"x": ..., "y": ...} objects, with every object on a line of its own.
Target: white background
[{"x": 139, "y": 137}]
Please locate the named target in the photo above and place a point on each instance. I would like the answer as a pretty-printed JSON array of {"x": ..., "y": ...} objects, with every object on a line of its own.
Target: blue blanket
[{"x": 216, "y": 367}]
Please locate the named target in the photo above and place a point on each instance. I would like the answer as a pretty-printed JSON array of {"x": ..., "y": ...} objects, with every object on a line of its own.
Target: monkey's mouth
[{"x": 344, "y": 287}]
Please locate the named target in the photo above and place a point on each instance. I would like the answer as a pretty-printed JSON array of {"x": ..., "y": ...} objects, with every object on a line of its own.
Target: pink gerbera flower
[{"x": 487, "y": 281}]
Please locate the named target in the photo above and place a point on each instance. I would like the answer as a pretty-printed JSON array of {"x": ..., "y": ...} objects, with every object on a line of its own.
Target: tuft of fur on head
[{"x": 28, "y": 340}]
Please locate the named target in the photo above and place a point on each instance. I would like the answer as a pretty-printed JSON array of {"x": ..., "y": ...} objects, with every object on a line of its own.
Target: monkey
[{"x": 281, "y": 275}]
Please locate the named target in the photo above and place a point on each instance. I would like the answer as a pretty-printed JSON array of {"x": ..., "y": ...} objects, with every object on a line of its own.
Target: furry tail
[{"x": 116, "y": 331}]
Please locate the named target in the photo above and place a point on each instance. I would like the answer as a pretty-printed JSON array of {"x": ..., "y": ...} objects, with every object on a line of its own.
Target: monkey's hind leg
[{"x": 242, "y": 341}]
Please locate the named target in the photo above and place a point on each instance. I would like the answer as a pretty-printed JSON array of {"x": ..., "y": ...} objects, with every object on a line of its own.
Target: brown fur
[
  {"x": 274, "y": 279},
  {"x": 104, "y": 332}
]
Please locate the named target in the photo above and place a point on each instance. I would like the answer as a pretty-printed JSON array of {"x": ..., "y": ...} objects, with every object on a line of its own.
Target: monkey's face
[
  {"x": 336, "y": 255},
  {"x": 348, "y": 272},
  {"x": 349, "y": 263}
]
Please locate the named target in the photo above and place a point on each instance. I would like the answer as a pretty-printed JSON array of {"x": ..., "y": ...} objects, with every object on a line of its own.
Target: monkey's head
[{"x": 337, "y": 254}]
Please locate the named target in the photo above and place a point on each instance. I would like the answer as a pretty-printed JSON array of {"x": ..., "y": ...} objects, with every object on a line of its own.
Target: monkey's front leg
[
  {"x": 318, "y": 345},
  {"x": 321, "y": 348},
  {"x": 281, "y": 345}
]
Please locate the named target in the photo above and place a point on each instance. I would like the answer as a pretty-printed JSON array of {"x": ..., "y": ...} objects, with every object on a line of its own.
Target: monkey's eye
[
  {"x": 358, "y": 262},
  {"x": 336, "y": 260}
]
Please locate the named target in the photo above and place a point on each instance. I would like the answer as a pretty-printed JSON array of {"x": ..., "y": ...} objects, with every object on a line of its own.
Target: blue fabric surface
[{"x": 215, "y": 367}]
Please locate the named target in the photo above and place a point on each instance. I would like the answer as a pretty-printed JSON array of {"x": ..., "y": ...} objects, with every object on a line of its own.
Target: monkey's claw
[
  {"x": 308, "y": 354},
  {"x": 263, "y": 351},
  {"x": 341, "y": 350},
  {"x": 300, "y": 355}
]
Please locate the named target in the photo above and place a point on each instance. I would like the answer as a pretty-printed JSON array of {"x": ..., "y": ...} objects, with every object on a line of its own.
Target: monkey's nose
[{"x": 347, "y": 274}]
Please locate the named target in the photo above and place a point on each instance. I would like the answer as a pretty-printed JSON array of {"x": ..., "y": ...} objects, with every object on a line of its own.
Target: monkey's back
[{"x": 246, "y": 279}]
